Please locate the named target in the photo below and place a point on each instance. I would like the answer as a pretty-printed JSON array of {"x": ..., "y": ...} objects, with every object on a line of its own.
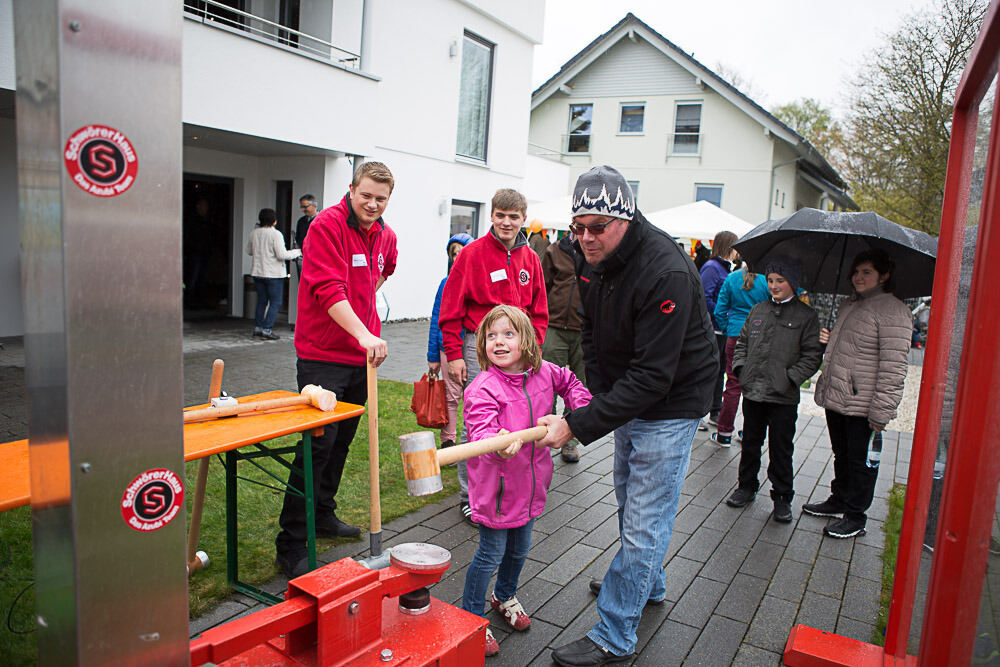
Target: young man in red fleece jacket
[
  {"x": 349, "y": 252},
  {"x": 498, "y": 268}
]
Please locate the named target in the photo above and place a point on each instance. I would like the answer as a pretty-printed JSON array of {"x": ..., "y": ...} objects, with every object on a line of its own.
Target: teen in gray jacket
[
  {"x": 778, "y": 349},
  {"x": 861, "y": 385}
]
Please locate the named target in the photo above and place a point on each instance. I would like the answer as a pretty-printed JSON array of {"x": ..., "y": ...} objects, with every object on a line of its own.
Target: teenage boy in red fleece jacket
[
  {"x": 497, "y": 269},
  {"x": 349, "y": 252}
]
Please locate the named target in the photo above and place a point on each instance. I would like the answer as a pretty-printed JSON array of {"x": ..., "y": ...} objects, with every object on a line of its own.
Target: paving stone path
[{"x": 737, "y": 581}]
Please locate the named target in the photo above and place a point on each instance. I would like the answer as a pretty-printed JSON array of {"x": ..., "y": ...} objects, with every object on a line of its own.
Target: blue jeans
[
  {"x": 651, "y": 461},
  {"x": 269, "y": 293},
  {"x": 503, "y": 548}
]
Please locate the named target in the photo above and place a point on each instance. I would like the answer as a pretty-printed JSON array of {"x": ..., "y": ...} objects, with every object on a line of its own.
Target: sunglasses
[{"x": 595, "y": 230}]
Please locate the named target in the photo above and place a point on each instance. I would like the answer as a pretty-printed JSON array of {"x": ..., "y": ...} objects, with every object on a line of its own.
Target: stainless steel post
[{"x": 99, "y": 174}]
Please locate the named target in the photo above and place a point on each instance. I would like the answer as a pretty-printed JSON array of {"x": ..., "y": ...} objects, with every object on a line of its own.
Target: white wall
[
  {"x": 12, "y": 319},
  {"x": 541, "y": 178},
  {"x": 242, "y": 85}
]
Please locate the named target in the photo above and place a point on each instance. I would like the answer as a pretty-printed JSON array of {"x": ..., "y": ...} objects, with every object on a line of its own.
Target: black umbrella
[{"x": 825, "y": 242}]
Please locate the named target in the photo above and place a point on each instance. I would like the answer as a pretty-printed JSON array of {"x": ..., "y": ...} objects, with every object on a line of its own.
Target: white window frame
[
  {"x": 699, "y": 134},
  {"x": 590, "y": 131},
  {"x": 621, "y": 116},
  {"x": 484, "y": 123},
  {"x": 721, "y": 187},
  {"x": 635, "y": 190}
]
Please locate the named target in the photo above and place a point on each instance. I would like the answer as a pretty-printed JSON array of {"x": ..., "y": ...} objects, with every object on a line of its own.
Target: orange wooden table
[{"x": 218, "y": 436}]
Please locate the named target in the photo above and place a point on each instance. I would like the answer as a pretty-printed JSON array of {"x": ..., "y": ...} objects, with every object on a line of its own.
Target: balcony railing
[{"x": 220, "y": 15}]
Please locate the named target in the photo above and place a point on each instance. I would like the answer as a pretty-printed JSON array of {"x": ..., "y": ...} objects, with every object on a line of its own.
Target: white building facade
[
  {"x": 676, "y": 131},
  {"x": 285, "y": 97}
]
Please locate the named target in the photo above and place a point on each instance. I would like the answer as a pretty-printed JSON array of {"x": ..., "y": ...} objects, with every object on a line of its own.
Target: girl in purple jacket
[{"x": 507, "y": 489}]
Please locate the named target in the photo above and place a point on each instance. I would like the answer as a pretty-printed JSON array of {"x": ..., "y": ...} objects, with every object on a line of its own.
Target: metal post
[{"x": 99, "y": 176}]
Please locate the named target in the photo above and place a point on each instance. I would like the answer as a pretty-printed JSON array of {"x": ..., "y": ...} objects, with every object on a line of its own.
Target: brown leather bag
[{"x": 429, "y": 402}]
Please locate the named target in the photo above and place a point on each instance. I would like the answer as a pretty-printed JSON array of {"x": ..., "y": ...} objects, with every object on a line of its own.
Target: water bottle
[{"x": 874, "y": 449}]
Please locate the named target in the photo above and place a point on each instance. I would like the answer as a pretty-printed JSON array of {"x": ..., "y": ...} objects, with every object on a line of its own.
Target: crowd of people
[{"x": 617, "y": 320}]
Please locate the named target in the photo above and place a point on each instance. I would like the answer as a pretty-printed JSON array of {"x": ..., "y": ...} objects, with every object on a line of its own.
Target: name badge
[
  {"x": 498, "y": 275},
  {"x": 359, "y": 260}
]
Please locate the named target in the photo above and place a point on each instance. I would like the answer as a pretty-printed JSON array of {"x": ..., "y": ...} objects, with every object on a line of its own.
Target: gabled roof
[{"x": 633, "y": 25}]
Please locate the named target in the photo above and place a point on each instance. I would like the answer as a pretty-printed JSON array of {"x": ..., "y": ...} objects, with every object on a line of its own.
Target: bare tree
[
  {"x": 899, "y": 122},
  {"x": 741, "y": 82}
]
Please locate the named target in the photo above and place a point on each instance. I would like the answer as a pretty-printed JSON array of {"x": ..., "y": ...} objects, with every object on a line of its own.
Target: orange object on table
[{"x": 201, "y": 439}]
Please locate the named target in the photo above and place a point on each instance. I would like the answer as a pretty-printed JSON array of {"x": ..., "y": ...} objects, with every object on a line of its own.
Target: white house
[
  {"x": 676, "y": 131},
  {"x": 284, "y": 98}
]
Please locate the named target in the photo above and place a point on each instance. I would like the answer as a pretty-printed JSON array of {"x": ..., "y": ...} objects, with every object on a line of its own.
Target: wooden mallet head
[{"x": 422, "y": 461}]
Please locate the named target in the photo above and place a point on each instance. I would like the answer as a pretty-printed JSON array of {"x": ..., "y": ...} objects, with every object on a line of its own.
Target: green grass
[
  {"x": 258, "y": 520},
  {"x": 891, "y": 528}
]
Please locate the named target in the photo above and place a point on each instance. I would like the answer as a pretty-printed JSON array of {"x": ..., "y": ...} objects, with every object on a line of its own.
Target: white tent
[
  {"x": 699, "y": 220},
  {"x": 553, "y": 213}
]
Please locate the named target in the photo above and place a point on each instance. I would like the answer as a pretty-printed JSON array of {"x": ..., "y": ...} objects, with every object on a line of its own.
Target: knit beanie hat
[
  {"x": 603, "y": 191},
  {"x": 787, "y": 268}
]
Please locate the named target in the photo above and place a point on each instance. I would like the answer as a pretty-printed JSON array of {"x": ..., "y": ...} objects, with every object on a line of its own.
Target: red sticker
[
  {"x": 101, "y": 160},
  {"x": 152, "y": 500},
  {"x": 668, "y": 306}
]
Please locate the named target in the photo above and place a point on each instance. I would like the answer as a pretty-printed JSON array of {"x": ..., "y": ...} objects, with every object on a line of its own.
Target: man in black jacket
[{"x": 651, "y": 361}]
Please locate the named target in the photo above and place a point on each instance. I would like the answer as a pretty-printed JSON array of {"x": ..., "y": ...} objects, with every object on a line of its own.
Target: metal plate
[{"x": 420, "y": 557}]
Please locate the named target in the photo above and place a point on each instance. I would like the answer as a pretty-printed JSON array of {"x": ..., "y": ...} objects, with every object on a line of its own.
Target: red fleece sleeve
[
  {"x": 538, "y": 309},
  {"x": 391, "y": 255},
  {"x": 452, "y": 309},
  {"x": 325, "y": 270}
]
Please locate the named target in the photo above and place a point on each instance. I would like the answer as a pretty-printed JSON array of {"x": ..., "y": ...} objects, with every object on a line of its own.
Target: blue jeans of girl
[{"x": 506, "y": 549}]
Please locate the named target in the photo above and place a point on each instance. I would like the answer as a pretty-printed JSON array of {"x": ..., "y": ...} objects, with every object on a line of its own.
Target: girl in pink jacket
[{"x": 507, "y": 489}]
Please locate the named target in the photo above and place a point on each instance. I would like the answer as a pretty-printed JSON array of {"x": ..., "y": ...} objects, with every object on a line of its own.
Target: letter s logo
[{"x": 102, "y": 161}]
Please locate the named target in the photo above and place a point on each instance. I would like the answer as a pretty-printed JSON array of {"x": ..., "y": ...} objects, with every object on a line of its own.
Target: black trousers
[
  {"x": 329, "y": 451},
  {"x": 720, "y": 378},
  {"x": 853, "y": 481},
  {"x": 777, "y": 421}
]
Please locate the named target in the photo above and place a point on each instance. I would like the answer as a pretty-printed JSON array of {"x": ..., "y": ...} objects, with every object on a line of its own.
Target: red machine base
[{"x": 809, "y": 647}]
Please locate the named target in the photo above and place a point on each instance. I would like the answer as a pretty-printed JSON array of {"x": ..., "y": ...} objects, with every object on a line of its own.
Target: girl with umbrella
[{"x": 860, "y": 387}]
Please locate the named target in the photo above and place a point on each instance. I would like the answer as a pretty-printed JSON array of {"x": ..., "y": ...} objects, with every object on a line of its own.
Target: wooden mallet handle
[
  {"x": 194, "y": 563},
  {"x": 318, "y": 397},
  {"x": 487, "y": 445}
]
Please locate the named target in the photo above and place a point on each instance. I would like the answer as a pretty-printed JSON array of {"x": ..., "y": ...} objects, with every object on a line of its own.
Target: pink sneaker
[
  {"x": 512, "y": 611},
  {"x": 492, "y": 647}
]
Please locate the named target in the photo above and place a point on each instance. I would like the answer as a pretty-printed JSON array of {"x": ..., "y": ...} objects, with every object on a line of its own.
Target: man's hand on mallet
[
  {"x": 559, "y": 432},
  {"x": 457, "y": 371},
  {"x": 512, "y": 450}
]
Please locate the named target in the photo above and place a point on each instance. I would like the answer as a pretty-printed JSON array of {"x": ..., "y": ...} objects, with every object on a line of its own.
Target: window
[
  {"x": 580, "y": 116},
  {"x": 687, "y": 128},
  {"x": 709, "y": 193},
  {"x": 474, "y": 97},
  {"x": 635, "y": 190},
  {"x": 464, "y": 218},
  {"x": 632, "y": 115}
]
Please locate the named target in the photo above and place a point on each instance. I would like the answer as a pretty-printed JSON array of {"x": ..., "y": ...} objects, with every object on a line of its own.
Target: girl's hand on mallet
[{"x": 512, "y": 449}]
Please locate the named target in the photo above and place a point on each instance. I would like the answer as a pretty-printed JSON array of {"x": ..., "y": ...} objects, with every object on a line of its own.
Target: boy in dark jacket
[{"x": 778, "y": 349}]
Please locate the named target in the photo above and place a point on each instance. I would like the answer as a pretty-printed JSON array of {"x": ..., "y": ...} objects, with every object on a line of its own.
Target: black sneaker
[
  {"x": 829, "y": 507},
  {"x": 267, "y": 334},
  {"x": 782, "y": 511},
  {"x": 293, "y": 563},
  {"x": 722, "y": 440},
  {"x": 585, "y": 652},
  {"x": 713, "y": 418},
  {"x": 569, "y": 452},
  {"x": 467, "y": 513},
  {"x": 331, "y": 526},
  {"x": 257, "y": 333},
  {"x": 845, "y": 528},
  {"x": 739, "y": 436},
  {"x": 741, "y": 497}
]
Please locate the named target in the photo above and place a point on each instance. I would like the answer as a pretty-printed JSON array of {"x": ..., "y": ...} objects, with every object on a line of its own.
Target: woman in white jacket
[
  {"x": 267, "y": 247},
  {"x": 861, "y": 385}
]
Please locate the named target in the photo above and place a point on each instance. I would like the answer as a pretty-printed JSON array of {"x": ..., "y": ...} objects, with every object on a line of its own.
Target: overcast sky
[{"x": 788, "y": 49}]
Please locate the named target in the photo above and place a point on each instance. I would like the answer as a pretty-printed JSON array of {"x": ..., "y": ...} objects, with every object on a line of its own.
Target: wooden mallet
[
  {"x": 311, "y": 394},
  {"x": 197, "y": 560},
  {"x": 422, "y": 461}
]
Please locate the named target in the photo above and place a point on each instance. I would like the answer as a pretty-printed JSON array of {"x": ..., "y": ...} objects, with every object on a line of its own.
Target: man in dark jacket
[
  {"x": 562, "y": 339},
  {"x": 650, "y": 354}
]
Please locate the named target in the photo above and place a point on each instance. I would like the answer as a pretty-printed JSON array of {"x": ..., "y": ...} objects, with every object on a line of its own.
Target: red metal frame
[{"x": 973, "y": 470}]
